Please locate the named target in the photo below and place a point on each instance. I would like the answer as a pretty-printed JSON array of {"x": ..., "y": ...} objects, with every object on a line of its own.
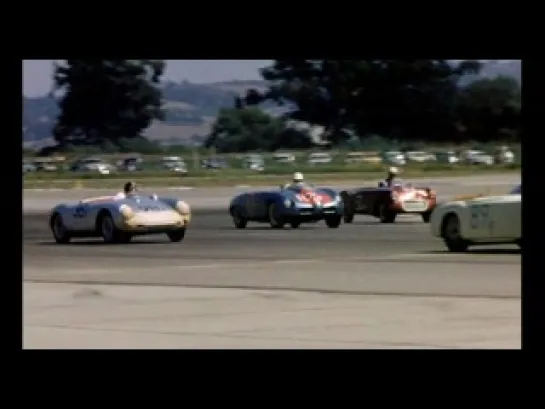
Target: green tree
[
  {"x": 106, "y": 100},
  {"x": 251, "y": 129},
  {"x": 399, "y": 99},
  {"x": 490, "y": 109}
]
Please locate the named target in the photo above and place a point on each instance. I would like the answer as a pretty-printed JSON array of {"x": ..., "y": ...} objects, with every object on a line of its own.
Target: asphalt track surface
[
  {"x": 349, "y": 259},
  {"x": 397, "y": 270}
]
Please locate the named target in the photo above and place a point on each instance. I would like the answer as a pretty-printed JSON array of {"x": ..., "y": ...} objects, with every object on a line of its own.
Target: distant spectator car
[
  {"x": 45, "y": 165},
  {"x": 504, "y": 155},
  {"x": 284, "y": 158},
  {"x": 363, "y": 157},
  {"x": 254, "y": 162},
  {"x": 420, "y": 156},
  {"x": 130, "y": 164},
  {"x": 319, "y": 158},
  {"x": 174, "y": 164},
  {"x": 394, "y": 158},
  {"x": 477, "y": 157},
  {"x": 28, "y": 167},
  {"x": 92, "y": 164},
  {"x": 214, "y": 163},
  {"x": 448, "y": 157}
]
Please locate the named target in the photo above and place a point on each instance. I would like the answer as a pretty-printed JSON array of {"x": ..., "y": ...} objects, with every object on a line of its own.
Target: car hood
[
  {"x": 410, "y": 193},
  {"x": 145, "y": 204},
  {"x": 309, "y": 196}
]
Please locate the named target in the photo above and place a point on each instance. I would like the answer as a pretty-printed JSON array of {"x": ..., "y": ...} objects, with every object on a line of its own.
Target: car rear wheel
[
  {"x": 295, "y": 224},
  {"x": 176, "y": 236},
  {"x": 275, "y": 220},
  {"x": 59, "y": 230},
  {"x": 452, "y": 235},
  {"x": 333, "y": 222},
  {"x": 239, "y": 220},
  {"x": 385, "y": 214}
]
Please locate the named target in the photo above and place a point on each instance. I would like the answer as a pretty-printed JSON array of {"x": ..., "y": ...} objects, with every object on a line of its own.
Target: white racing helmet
[
  {"x": 393, "y": 171},
  {"x": 298, "y": 177}
]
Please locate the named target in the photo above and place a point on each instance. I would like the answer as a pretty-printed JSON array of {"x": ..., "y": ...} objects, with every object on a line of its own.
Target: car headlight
[
  {"x": 126, "y": 211},
  {"x": 288, "y": 203},
  {"x": 182, "y": 208}
]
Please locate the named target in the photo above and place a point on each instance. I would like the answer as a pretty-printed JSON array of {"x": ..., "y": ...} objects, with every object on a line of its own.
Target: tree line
[{"x": 107, "y": 102}]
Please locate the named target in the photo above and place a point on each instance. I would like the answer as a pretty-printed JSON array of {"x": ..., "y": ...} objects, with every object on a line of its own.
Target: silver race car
[{"x": 117, "y": 220}]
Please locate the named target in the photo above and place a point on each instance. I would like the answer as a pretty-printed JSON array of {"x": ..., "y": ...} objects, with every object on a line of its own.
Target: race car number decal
[
  {"x": 80, "y": 212},
  {"x": 308, "y": 196},
  {"x": 480, "y": 217}
]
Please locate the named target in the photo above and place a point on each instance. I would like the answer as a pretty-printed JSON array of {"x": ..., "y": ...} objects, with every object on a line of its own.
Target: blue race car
[{"x": 292, "y": 205}]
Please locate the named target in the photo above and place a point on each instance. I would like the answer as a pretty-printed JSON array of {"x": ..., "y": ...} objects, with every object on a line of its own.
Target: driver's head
[
  {"x": 298, "y": 177},
  {"x": 393, "y": 171},
  {"x": 130, "y": 188}
]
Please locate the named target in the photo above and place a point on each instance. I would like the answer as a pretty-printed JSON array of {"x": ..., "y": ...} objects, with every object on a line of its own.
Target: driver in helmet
[
  {"x": 128, "y": 190},
  {"x": 297, "y": 181},
  {"x": 389, "y": 181}
]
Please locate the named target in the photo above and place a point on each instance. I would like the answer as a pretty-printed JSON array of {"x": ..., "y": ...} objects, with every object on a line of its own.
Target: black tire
[
  {"x": 450, "y": 230},
  {"x": 333, "y": 222},
  {"x": 60, "y": 233},
  {"x": 109, "y": 232},
  {"x": 295, "y": 224},
  {"x": 426, "y": 216},
  {"x": 385, "y": 214},
  {"x": 239, "y": 220},
  {"x": 275, "y": 221},
  {"x": 176, "y": 236},
  {"x": 348, "y": 216},
  {"x": 349, "y": 213}
]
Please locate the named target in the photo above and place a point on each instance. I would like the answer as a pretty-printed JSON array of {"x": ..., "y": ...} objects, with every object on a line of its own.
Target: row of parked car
[
  {"x": 99, "y": 165},
  {"x": 398, "y": 158},
  {"x": 256, "y": 162}
]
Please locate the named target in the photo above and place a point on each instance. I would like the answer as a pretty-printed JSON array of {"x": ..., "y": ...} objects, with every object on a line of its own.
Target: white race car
[
  {"x": 479, "y": 220},
  {"x": 118, "y": 220}
]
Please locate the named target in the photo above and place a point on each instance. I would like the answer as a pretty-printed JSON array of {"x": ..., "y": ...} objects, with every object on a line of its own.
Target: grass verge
[{"x": 233, "y": 178}]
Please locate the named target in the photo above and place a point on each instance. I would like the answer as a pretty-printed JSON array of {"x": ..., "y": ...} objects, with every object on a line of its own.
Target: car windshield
[
  {"x": 298, "y": 188},
  {"x": 399, "y": 184}
]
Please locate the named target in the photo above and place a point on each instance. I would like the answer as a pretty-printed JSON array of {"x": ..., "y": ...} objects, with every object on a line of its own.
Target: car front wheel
[
  {"x": 333, "y": 222},
  {"x": 110, "y": 233},
  {"x": 385, "y": 214},
  {"x": 275, "y": 220},
  {"x": 239, "y": 220},
  {"x": 452, "y": 235},
  {"x": 60, "y": 233},
  {"x": 176, "y": 236}
]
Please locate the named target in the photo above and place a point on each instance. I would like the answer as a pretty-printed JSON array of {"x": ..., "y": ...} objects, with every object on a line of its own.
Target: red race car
[{"x": 386, "y": 203}]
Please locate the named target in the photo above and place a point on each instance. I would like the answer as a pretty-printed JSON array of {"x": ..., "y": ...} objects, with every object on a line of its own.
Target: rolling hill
[{"x": 190, "y": 108}]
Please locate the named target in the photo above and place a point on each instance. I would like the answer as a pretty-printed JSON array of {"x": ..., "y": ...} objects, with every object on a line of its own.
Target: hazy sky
[{"x": 37, "y": 73}]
